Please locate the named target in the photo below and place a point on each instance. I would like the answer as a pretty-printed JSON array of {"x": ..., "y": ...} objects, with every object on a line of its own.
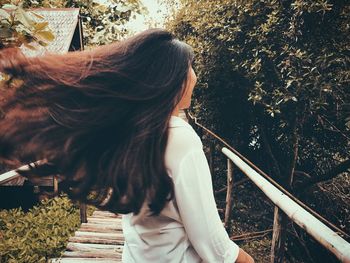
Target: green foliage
[
  {"x": 104, "y": 22},
  {"x": 39, "y": 234},
  {"x": 19, "y": 27},
  {"x": 273, "y": 78}
]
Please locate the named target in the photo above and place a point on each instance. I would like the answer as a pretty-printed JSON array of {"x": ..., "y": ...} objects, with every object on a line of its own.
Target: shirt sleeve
[{"x": 198, "y": 211}]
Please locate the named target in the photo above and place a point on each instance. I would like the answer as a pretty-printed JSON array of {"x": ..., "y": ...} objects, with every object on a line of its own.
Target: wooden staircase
[{"x": 99, "y": 240}]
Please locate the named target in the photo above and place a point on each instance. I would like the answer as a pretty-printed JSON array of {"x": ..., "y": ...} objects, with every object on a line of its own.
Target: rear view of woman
[{"x": 107, "y": 121}]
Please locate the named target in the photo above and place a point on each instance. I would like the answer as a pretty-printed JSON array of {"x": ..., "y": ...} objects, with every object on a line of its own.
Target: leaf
[
  {"x": 47, "y": 35},
  {"x": 40, "y": 26},
  {"x": 24, "y": 18},
  {"x": 9, "y": 6},
  {"x": 4, "y": 14},
  {"x": 42, "y": 43},
  {"x": 37, "y": 15}
]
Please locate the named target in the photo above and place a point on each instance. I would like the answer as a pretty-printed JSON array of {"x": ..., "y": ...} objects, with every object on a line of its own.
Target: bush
[{"x": 39, "y": 234}]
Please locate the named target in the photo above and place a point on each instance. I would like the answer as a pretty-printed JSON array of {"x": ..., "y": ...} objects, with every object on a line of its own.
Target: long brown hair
[{"x": 99, "y": 118}]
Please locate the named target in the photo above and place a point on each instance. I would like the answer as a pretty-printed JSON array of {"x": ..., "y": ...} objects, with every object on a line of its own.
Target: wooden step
[
  {"x": 84, "y": 260},
  {"x": 105, "y": 220},
  {"x": 90, "y": 247},
  {"x": 99, "y": 240},
  {"x": 102, "y": 228},
  {"x": 100, "y": 253}
]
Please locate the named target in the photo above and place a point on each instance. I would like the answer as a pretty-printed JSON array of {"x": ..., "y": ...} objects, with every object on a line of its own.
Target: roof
[{"x": 63, "y": 23}]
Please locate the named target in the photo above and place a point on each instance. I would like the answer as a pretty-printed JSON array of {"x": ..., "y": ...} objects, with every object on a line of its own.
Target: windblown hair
[{"x": 98, "y": 118}]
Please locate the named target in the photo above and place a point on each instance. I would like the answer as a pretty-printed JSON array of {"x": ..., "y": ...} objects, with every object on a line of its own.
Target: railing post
[
  {"x": 278, "y": 235},
  {"x": 83, "y": 216},
  {"x": 228, "y": 209},
  {"x": 55, "y": 184}
]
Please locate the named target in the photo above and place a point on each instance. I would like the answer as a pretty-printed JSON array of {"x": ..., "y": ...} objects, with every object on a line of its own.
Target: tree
[
  {"x": 273, "y": 79},
  {"x": 285, "y": 66}
]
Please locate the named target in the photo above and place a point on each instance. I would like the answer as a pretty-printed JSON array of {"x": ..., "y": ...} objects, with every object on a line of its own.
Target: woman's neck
[{"x": 176, "y": 111}]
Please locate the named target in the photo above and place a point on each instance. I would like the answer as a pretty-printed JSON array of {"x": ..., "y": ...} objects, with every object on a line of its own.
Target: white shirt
[{"x": 189, "y": 228}]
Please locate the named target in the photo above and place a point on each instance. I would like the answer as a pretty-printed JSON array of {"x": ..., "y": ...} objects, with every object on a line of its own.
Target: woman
[{"x": 107, "y": 121}]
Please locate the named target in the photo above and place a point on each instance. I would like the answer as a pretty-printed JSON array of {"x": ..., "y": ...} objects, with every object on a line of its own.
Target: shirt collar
[{"x": 176, "y": 121}]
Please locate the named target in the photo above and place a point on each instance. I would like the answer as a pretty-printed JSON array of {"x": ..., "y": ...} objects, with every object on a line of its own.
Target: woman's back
[{"x": 189, "y": 228}]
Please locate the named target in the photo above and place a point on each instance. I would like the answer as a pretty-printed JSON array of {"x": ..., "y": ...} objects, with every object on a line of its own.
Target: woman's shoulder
[{"x": 182, "y": 139}]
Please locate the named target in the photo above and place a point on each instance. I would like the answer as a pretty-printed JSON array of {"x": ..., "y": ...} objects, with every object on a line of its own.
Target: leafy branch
[{"x": 19, "y": 26}]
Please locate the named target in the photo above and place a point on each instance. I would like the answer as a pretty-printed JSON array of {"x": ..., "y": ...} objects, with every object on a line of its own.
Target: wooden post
[
  {"x": 227, "y": 221},
  {"x": 83, "y": 217},
  {"x": 278, "y": 236},
  {"x": 55, "y": 185}
]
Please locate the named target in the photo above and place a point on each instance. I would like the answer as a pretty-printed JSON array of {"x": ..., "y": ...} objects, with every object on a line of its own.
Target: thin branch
[
  {"x": 336, "y": 129},
  {"x": 302, "y": 173},
  {"x": 251, "y": 235},
  {"x": 223, "y": 190},
  {"x": 295, "y": 144}
]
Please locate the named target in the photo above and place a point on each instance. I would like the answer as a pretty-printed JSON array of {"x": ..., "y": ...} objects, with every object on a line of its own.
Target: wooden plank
[
  {"x": 83, "y": 215},
  {"x": 108, "y": 215},
  {"x": 44, "y": 181},
  {"x": 55, "y": 184},
  {"x": 105, "y": 216},
  {"x": 97, "y": 253},
  {"x": 103, "y": 220},
  {"x": 97, "y": 240},
  {"x": 100, "y": 235},
  {"x": 100, "y": 228},
  {"x": 89, "y": 247},
  {"x": 105, "y": 213},
  {"x": 112, "y": 226},
  {"x": 116, "y": 225},
  {"x": 85, "y": 260}
]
